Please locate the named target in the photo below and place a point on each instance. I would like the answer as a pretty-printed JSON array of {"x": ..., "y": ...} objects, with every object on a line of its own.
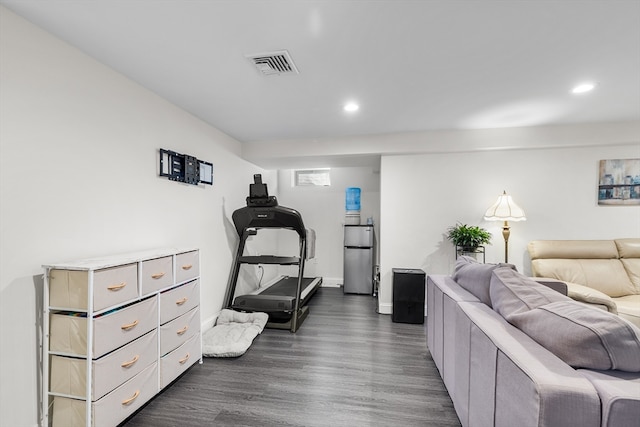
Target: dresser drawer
[
  {"x": 187, "y": 266},
  {"x": 112, "y": 408},
  {"x": 69, "y": 374},
  {"x": 69, "y": 289},
  {"x": 68, "y": 332},
  {"x": 176, "y": 362},
  {"x": 177, "y": 301},
  {"x": 175, "y": 333},
  {"x": 156, "y": 274}
]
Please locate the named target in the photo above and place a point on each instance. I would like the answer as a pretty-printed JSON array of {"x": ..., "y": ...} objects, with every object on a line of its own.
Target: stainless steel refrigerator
[{"x": 359, "y": 259}]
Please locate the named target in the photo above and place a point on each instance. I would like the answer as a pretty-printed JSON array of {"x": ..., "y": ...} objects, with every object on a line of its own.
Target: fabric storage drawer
[
  {"x": 156, "y": 274},
  {"x": 68, "y": 374},
  {"x": 179, "y": 300},
  {"x": 175, "y": 333},
  {"x": 176, "y": 362},
  {"x": 112, "y": 408},
  {"x": 187, "y": 266},
  {"x": 69, "y": 289},
  {"x": 68, "y": 333}
]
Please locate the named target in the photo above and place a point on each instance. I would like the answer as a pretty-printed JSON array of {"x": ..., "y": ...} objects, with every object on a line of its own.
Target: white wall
[
  {"x": 422, "y": 195},
  {"x": 323, "y": 209},
  {"x": 78, "y": 178}
]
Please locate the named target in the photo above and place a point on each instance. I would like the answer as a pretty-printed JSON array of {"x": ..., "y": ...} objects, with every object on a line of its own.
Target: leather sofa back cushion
[
  {"x": 511, "y": 293},
  {"x": 632, "y": 265},
  {"x": 573, "y": 249},
  {"x": 628, "y": 248},
  {"x": 583, "y": 337},
  {"x": 476, "y": 277},
  {"x": 605, "y": 275}
]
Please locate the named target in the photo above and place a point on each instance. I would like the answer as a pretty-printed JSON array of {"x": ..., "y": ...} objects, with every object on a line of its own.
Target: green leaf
[{"x": 468, "y": 236}]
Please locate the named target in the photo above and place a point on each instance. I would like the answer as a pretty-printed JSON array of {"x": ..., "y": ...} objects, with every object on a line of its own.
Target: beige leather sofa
[{"x": 605, "y": 273}]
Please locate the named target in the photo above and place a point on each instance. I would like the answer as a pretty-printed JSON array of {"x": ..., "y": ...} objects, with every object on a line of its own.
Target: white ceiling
[{"x": 411, "y": 65}]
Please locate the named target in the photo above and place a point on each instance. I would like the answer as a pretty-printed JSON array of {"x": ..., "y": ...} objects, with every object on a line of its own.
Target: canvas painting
[{"x": 619, "y": 182}]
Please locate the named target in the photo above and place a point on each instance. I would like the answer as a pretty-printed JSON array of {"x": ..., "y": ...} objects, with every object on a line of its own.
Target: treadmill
[{"x": 285, "y": 298}]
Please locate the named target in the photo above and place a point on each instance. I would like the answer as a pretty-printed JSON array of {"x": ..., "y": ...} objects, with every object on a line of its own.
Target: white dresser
[{"x": 118, "y": 330}]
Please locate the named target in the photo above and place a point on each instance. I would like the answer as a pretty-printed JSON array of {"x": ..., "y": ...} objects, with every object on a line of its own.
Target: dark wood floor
[{"x": 346, "y": 366}]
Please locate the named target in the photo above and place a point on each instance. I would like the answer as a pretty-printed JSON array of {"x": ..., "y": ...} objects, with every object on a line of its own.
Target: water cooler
[{"x": 352, "y": 206}]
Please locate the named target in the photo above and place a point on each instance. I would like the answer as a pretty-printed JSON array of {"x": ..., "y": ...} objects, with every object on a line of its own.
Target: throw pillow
[
  {"x": 582, "y": 336},
  {"x": 512, "y": 292},
  {"x": 476, "y": 277}
]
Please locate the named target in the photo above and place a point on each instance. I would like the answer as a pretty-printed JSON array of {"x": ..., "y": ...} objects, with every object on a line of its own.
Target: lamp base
[{"x": 506, "y": 231}]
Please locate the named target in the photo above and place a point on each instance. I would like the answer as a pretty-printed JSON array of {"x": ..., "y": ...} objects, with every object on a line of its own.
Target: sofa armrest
[
  {"x": 591, "y": 296},
  {"x": 556, "y": 285}
]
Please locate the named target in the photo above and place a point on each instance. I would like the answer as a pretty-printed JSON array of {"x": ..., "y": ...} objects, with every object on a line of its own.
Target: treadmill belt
[
  {"x": 279, "y": 298},
  {"x": 287, "y": 286}
]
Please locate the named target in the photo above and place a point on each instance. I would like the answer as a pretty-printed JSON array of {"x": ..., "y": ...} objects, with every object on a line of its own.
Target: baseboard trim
[
  {"x": 331, "y": 282},
  {"x": 209, "y": 322},
  {"x": 387, "y": 308}
]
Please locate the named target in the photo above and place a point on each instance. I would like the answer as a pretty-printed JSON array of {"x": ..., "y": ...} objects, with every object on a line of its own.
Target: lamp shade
[{"x": 505, "y": 209}]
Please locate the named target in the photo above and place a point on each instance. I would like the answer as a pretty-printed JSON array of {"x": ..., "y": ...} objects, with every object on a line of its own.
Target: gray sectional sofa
[{"x": 497, "y": 375}]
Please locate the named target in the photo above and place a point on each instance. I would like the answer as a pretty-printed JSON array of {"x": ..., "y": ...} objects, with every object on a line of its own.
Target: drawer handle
[
  {"x": 130, "y": 362},
  {"x": 157, "y": 275},
  {"x": 184, "y": 359},
  {"x": 129, "y": 326},
  {"x": 117, "y": 287},
  {"x": 132, "y": 398},
  {"x": 187, "y": 266},
  {"x": 181, "y": 301},
  {"x": 183, "y": 330}
]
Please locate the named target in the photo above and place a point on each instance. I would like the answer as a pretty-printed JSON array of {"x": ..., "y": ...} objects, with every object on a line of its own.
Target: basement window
[{"x": 312, "y": 177}]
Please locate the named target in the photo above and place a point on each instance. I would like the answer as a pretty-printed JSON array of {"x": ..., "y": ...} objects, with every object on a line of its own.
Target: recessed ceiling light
[
  {"x": 583, "y": 87},
  {"x": 351, "y": 107}
]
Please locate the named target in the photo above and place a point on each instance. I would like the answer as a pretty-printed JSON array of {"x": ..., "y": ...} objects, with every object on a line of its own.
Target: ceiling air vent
[{"x": 271, "y": 63}]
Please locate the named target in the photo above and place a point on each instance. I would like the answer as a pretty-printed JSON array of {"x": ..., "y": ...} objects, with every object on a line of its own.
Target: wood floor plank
[{"x": 346, "y": 366}]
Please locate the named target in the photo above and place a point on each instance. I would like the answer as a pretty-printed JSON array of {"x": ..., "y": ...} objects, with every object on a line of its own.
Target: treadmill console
[{"x": 259, "y": 195}]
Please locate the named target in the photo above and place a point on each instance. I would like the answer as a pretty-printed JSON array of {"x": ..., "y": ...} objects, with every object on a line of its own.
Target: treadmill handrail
[{"x": 270, "y": 259}]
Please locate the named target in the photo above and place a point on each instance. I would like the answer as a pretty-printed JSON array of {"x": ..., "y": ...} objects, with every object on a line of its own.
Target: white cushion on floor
[{"x": 233, "y": 334}]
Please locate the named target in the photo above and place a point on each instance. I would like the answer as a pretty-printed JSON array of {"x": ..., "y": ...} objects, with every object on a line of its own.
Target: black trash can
[{"x": 408, "y": 295}]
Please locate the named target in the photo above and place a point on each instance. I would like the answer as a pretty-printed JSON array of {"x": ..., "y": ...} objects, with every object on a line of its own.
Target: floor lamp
[{"x": 505, "y": 209}]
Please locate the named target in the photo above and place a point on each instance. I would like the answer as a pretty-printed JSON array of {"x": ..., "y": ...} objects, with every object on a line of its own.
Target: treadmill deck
[{"x": 279, "y": 296}]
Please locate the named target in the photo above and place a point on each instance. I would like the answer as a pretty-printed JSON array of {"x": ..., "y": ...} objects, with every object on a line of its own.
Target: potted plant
[{"x": 468, "y": 237}]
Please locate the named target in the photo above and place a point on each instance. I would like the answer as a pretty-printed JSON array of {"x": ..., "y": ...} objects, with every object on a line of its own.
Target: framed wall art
[{"x": 619, "y": 182}]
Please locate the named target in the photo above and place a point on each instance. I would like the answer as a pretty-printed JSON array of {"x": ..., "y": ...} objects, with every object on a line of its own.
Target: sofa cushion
[
  {"x": 632, "y": 266},
  {"x": 629, "y": 308},
  {"x": 572, "y": 249},
  {"x": 476, "y": 277},
  {"x": 628, "y": 248},
  {"x": 582, "y": 336},
  {"x": 619, "y": 396},
  {"x": 605, "y": 275},
  {"x": 511, "y": 292}
]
